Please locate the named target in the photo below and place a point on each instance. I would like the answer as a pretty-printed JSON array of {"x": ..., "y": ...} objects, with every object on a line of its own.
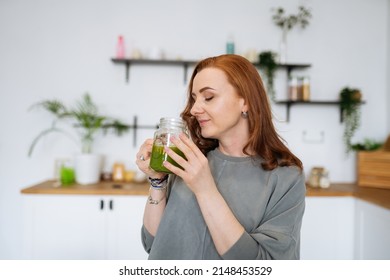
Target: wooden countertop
[
  {"x": 101, "y": 188},
  {"x": 377, "y": 196}
]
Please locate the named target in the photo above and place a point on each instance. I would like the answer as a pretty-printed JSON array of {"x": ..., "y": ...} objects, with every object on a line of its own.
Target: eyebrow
[
  {"x": 202, "y": 90},
  {"x": 205, "y": 88}
]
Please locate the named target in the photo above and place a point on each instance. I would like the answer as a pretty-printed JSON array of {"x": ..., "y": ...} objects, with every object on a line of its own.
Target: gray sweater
[{"x": 268, "y": 204}]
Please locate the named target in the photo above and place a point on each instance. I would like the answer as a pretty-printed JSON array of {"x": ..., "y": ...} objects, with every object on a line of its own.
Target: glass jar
[
  {"x": 293, "y": 88},
  {"x": 324, "y": 179},
  {"x": 67, "y": 173},
  {"x": 118, "y": 172},
  {"x": 304, "y": 88},
  {"x": 314, "y": 178},
  {"x": 168, "y": 127}
]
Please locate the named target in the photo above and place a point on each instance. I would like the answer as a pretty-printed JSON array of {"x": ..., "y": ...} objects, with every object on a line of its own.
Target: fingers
[
  {"x": 184, "y": 144},
  {"x": 143, "y": 155},
  {"x": 191, "y": 152},
  {"x": 145, "y": 150}
]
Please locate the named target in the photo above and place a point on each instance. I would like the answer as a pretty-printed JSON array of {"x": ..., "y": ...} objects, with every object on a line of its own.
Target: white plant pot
[{"x": 88, "y": 168}]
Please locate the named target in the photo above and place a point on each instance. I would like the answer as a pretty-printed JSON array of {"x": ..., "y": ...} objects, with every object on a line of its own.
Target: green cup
[{"x": 67, "y": 175}]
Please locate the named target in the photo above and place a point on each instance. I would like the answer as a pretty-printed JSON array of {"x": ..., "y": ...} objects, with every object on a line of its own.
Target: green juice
[
  {"x": 67, "y": 175},
  {"x": 159, "y": 156}
]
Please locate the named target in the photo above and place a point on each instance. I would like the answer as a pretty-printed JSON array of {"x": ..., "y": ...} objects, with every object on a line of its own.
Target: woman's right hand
[{"x": 143, "y": 160}]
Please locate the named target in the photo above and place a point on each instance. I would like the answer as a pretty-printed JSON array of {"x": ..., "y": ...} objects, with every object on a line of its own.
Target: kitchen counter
[
  {"x": 377, "y": 196},
  {"x": 380, "y": 197},
  {"x": 101, "y": 188}
]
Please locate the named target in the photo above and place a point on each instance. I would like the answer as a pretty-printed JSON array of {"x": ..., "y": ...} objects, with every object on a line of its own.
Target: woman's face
[{"x": 217, "y": 106}]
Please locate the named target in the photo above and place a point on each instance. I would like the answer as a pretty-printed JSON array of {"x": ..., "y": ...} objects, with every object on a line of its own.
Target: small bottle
[
  {"x": 168, "y": 127},
  {"x": 230, "y": 45},
  {"x": 120, "y": 48},
  {"x": 293, "y": 89}
]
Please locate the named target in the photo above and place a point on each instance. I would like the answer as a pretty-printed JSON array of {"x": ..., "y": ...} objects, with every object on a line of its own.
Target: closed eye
[{"x": 209, "y": 98}]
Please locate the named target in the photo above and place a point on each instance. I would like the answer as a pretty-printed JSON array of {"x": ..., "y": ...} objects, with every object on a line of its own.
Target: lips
[{"x": 202, "y": 122}]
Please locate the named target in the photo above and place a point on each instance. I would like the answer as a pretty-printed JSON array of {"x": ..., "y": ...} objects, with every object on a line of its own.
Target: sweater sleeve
[
  {"x": 147, "y": 239},
  {"x": 278, "y": 235}
]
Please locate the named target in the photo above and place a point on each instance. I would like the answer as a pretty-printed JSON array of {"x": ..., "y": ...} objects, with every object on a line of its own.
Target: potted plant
[
  {"x": 367, "y": 145},
  {"x": 287, "y": 22},
  {"x": 267, "y": 62},
  {"x": 350, "y": 101},
  {"x": 87, "y": 122}
]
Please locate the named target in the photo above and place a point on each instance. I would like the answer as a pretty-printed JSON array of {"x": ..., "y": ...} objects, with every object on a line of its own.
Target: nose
[{"x": 196, "y": 108}]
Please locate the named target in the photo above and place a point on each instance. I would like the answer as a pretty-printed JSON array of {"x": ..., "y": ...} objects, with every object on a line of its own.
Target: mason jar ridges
[{"x": 168, "y": 127}]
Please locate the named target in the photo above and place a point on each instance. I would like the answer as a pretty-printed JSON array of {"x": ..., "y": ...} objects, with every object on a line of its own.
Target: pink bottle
[{"x": 120, "y": 48}]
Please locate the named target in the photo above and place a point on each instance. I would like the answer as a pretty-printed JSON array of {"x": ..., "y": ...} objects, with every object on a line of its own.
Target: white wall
[
  {"x": 388, "y": 66},
  {"x": 60, "y": 49}
]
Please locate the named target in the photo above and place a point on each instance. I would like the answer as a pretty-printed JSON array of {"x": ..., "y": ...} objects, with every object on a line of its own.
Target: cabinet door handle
[
  {"x": 101, "y": 204},
  {"x": 111, "y": 205}
]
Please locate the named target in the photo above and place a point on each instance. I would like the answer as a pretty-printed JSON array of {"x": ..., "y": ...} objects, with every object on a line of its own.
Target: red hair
[{"x": 263, "y": 139}]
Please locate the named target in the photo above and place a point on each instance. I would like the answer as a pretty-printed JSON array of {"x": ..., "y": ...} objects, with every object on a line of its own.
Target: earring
[{"x": 244, "y": 115}]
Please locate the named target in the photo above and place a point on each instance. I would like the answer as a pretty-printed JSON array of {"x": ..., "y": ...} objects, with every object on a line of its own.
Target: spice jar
[
  {"x": 168, "y": 127},
  {"x": 304, "y": 88},
  {"x": 324, "y": 179},
  {"x": 118, "y": 172},
  {"x": 314, "y": 178},
  {"x": 293, "y": 89}
]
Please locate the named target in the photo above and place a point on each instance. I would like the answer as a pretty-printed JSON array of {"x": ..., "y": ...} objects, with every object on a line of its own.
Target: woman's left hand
[{"x": 196, "y": 173}]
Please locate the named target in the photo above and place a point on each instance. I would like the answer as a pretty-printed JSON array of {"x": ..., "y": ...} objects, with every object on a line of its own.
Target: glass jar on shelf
[{"x": 293, "y": 88}]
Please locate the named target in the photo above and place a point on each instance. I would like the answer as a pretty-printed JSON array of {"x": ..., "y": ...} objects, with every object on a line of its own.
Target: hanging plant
[
  {"x": 267, "y": 62},
  {"x": 350, "y": 100}
]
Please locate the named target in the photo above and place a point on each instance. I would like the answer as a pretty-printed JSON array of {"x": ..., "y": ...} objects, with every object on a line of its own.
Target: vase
[
  {"x": 283, "y": 45},
  {"x": 88, "y": 168}
]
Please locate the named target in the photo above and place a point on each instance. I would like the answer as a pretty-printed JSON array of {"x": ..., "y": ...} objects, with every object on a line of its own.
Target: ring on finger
[{"x": 142, "y": 158}]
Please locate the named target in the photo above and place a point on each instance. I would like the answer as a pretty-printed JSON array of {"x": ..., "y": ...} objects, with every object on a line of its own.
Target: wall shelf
[
  {"x": 290, "y": 103},
  {"x": 289, "y": 66},
  {"x": 186, "y": 63},
  {"x": 127, "y": 62}
]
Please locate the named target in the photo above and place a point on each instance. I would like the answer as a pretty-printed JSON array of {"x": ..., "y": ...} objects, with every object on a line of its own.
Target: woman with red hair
[{"x": 240, "y": 193}]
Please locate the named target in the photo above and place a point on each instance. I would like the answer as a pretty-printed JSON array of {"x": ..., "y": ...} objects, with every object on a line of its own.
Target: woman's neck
[{"x": 233, "y": 149}]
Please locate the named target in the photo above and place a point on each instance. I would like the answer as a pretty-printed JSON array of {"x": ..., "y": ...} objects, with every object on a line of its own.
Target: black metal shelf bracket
[
  {"x": 135, "y": 126},
  {"x": 128, "y": 62},
  {"x": 290, "y": 103}
]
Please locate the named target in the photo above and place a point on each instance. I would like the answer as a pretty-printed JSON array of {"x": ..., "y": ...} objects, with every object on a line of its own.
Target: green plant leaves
[
  {"x": 267, "y": 61},
  {"x": 86, "y": 120},
  {"x": 289, "y": 21},
  {"x": 350, "y": 101}
]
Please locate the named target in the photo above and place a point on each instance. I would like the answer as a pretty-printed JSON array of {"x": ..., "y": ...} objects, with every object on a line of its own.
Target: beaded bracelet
[{"x": 158, "y": 183}]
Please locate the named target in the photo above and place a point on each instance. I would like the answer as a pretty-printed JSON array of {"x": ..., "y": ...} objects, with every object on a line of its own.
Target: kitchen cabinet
[
  {"x": 328, "y": 228},
  {"x": 83, "y": 226},
  {"x": 103, "y": 221},
  {"x": 372, "y": 240},
  {"x": 344, "y": 228}
]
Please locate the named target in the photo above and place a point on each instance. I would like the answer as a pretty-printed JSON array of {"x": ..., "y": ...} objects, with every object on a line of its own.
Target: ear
[{"x": 244, "y": 106}]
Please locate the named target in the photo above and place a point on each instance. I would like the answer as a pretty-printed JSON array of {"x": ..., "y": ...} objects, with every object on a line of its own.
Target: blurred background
[{"x": 62, "y": 49}]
